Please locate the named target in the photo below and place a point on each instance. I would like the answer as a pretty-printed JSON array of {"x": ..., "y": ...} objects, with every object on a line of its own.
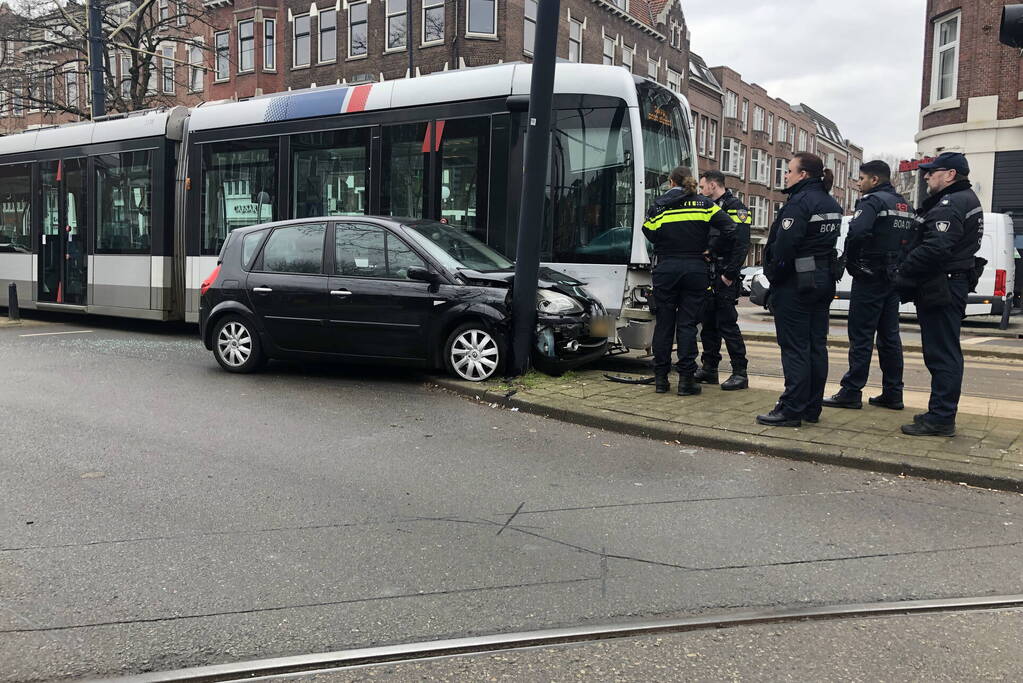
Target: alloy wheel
[
  {"x": 474, "y": 355},
  {"x": 234, "y": 344}
]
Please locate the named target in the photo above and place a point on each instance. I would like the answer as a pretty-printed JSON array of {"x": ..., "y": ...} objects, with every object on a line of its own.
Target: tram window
[
  {"x": 590, "y": 187},
  {"x": 295, "y": 249},
  {"x": 239, "y": 188},
  {"x": 464, "y": 159},
  {"x": 329, "y": 171},
  {"x": 124, "y": 186},
  {"x": 403, "y": 177},
  {"x": 16, "y": 208},
  {"x": 665, "y": 138}
]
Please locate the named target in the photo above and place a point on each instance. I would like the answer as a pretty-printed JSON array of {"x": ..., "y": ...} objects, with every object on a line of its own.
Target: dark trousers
[
  {"x": 874, "y": 311},
  {"x": 721, "y": 321},
  {"x": 939, "y": 330},
  {"x": 801, "y": 325},
  {"x": 681, "y": 288}
]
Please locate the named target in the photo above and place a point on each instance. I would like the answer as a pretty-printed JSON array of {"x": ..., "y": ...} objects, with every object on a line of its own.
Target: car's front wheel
[
  {"x": 236, "y": 345},
  {"x": 473, "y": 352}
]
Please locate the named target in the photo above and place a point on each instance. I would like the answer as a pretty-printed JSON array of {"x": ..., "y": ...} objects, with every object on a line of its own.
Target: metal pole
[
  {"x": 13, "y": 312},
  {"x": 408, "y": 37},
  {"x": 534, "y": 181},
  {"x": 99, "y": 95}
]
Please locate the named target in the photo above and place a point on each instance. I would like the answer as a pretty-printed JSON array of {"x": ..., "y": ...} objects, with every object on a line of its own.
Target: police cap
[{"x": 952, "y": 161}]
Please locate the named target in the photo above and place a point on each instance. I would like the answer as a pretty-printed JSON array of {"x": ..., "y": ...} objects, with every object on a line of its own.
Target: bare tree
[
  {"x": 905, "y": 183},
  {"x": 152, "y": 53}
]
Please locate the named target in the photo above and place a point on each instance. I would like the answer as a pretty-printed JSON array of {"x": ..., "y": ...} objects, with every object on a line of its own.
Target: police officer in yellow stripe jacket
[{"x": 687, "y": 231}]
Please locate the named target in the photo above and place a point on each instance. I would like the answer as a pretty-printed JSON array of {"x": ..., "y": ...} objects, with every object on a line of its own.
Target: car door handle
[
  {"x": 262, "y": 290},
  {"x": 340, "y": 292}
]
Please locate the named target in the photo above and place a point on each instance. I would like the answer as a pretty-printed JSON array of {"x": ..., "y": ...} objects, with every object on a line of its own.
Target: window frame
[
  {"x": 937, "y": 51},
  {"x": 759, "y": 117},
  {"x": 608, "y": 59},
  {"x": 221, "y": 51},
  {"x": 575, "y": 24},
  {"x": 70, "y": 76},
  {"x": 526, "y": 19},
  {"x": 270, "y": 40},
  {"x": 468, "y": 21},
  {"x": 352, "y": 26},
  {"x": 630, "y": 63},
  {"x": 388, "y": 236},
  {"x": 259, "y": 265},
  {"x": 195, "y": 67},
  {"x": 320, "y": 31},
  {"x": 388, "y": 17},
  {"x": 251, "y": 24},
  {"x": 735, "y": 149},
  {"x": 677, "y": 78},
  {"x": 702, "y": 138},
  {"x": 712, "y": 138},
  {"x": 294, "y": 41},
  {"x": 731, "y": 105},
  {"x": 429, "y": 5},
  {"x": 745, "y": 115}
]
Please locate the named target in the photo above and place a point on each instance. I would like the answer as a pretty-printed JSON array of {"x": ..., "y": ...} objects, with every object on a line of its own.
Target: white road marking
[
  {"x": 979, "y": 340},
  {"x": 48, "y": 334}
]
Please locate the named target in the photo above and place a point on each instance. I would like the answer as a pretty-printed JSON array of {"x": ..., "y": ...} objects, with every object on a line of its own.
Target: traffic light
[{"x": 1011, "y": 32}]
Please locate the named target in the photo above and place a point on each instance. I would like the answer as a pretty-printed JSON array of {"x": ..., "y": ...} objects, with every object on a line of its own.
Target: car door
[
  {"x": 376, "y": 310},
  {"x": 288, "y": 289}
]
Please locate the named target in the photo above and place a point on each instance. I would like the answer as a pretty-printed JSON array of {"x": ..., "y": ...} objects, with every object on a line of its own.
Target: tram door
[{"x": 63, "y": 258}]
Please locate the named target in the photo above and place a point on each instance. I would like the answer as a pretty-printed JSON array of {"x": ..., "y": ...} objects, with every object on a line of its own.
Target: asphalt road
[{"x": 156, "y": 512}]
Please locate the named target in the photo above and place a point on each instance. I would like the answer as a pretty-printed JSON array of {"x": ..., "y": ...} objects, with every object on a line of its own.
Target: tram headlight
[{"x": 555, "y": 303}]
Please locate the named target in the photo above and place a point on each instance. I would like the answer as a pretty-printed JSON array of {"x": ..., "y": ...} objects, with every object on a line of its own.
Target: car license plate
[{"x": 601, "y": 326}]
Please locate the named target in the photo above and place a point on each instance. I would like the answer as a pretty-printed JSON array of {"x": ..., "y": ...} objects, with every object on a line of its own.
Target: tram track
[{"x": 525, "y": 640}]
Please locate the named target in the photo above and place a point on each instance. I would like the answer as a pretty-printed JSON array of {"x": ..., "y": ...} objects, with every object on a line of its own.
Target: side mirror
[{"x": 423, "y": 275}]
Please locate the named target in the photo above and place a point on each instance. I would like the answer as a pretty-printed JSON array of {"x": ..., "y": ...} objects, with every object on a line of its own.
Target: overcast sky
[{"x": 857, "y": 63}]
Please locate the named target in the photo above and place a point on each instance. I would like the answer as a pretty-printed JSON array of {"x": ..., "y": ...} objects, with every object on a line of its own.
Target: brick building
[
  {"x": 830, "y": 146},
  {"x": 260, "y": 47},
  {"x": 972, "y": 98},
  {"x": 705, "y": 100}
]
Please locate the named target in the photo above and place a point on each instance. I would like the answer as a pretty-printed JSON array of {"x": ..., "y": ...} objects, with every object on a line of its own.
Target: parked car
[{"x": 389, "y": 290}]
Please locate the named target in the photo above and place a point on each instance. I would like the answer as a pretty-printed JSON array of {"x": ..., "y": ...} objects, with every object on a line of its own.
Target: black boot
[
  {"x": 687, "y": 386},
  {"x": 778, "y": 418},
  {"x": 890, "y": 402},
  {"x": 924, "y": 427},
  {"x": 844, "y": 399},
  {"x": 706, "y": 375},
  {"x": 737, "y": 381},
  {"x": 661, "y": 385}
]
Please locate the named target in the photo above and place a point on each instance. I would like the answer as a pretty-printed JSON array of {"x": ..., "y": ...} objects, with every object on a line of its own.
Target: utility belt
[
  {"x": 807, "y": 266},
  {"x": 875, "y": 267}
]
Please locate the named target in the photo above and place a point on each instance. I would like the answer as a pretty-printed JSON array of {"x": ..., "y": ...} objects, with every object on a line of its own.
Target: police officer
[
  {"x": 687, "y": 230},
  {"x": 720, "y": 318},
  {"x": 879, "y": 233},
  {"x": 941, "y": 270},
  {"x": 800, "y": 263}
]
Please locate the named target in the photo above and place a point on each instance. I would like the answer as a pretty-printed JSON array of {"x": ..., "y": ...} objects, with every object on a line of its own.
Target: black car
[{"x": 392, "y": 290}]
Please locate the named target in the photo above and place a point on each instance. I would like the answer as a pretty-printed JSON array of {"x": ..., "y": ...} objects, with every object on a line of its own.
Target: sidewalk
[{"x": 987, "y": 450}]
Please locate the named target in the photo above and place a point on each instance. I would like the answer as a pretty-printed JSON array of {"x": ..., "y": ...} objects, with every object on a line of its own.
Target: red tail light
[
  {"x": 209, "y": 281},
  {"x": 1000, "y": 282}
]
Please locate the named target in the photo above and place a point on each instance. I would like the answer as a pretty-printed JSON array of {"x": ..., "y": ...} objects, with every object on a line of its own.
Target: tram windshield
[{"x": 665, "y": 137}]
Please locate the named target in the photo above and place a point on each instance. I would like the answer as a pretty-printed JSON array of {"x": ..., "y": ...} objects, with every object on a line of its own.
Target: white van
[{"x": 996, "y": 282}]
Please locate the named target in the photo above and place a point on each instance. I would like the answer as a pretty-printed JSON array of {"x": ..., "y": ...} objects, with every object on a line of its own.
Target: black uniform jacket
[
  {"x": 681, "y": 224},
  {"x": 882, "y": 228},
  {"x": 729, "y": 264},
  {"x": 808, "y": 225},
  {"x": 953, "y": 225}
]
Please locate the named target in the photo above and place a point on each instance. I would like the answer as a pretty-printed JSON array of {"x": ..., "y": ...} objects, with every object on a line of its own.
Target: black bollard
[
  {"x": 13, "y": 314},
  {"x": 1006, "y": 312}
]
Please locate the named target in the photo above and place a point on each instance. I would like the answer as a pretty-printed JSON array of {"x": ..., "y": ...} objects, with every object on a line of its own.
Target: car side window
[
  {"x": 295, "y": 249},
  {"x": 250, "y": 245},
  {"x": 362, "y": 250}
]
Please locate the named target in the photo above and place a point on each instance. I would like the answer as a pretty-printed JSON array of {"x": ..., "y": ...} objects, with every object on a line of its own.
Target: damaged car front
[{"x": 572, "y": 327}]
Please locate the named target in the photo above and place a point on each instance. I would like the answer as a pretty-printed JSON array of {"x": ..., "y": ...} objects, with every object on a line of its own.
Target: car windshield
[{"x": 455, "y": 248}]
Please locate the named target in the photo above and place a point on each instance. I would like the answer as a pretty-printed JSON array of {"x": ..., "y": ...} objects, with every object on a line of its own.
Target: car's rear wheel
[
  {"x": 473, "y": 352},
  {"x": 236, "y": 345}
]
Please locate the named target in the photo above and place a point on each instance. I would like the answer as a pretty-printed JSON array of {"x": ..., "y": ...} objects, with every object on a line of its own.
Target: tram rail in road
[{"x": 482, "y": 645}]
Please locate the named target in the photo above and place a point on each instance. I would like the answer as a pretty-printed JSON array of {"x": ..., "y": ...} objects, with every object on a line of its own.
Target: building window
[
  {"x": 433, "y": 21},
  {"x": 482, "y": 18},
  {"x": 802, "y": 141},
  {"x": 328, "y": 35},
  {"x": 609, "y": 50},
  {"x": 301, "y": 42},
  {"x": 674, "y": 81},
  {"x": 627, "y": 53},
  {"x": 575, "y": 40},
  {"x": 358, "y": 35},
  {"x": 783, "y": 130},
  {"x": 733, "y": 157},
  {"x": 164, "y": 9},
  {"x": 222, "y": 46},
  {"x": 780, "y": 166},
  {"x": 71, "y": 83},
  {"x": 182, "y": 8},
  {"x": 269, "y": 44},
  {"x": 529, "y": 27},
  {"x": 651, "y": 68},
  {"x": 792, "y": 134},
  {"x": 48, "y": 90},
  {"x": 770, "y": 127},
  {"x": 945, "y": 70},
  {"x": 758, "y": 118},
  {"x": 397, "y": 24},
  {"x": 167, "y": 67},
  {"x": 745, "y": 115},
  {"x": 758, "y": 172},
  {"x": 731, "y": 105},
  {"x": 703, "y": 135},
  {"x": 712, "y": 139},
  {"x": 760, "y": 207},
  {"x": 125, "y": 76},
  {"x": 195, "y": 70},
  {"x": 246, "y": 46}
]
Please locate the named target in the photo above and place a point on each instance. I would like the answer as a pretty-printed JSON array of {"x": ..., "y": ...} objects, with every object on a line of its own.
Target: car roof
[{"x": 389, "y": 221}]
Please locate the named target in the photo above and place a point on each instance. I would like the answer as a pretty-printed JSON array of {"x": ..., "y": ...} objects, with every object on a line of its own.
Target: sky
[{"x": 858, "y": 63}]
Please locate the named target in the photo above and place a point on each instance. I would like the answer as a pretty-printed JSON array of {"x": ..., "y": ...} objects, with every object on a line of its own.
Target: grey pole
[
  {"x": 99, "y": 95},
  {"x": 534, "y": 181},
  {"x": 408, "y": 37}
]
